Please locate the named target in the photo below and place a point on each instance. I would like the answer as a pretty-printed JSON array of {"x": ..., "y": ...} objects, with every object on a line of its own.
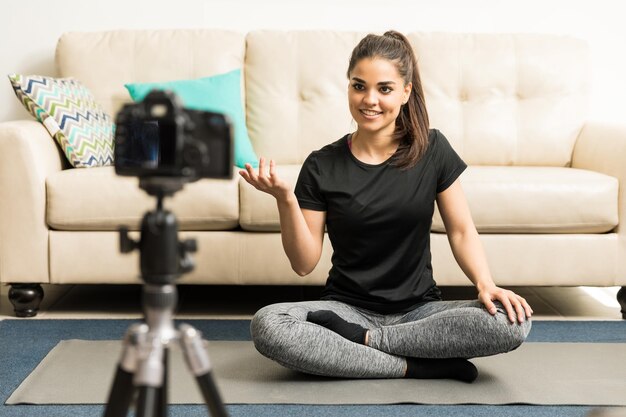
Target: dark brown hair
[{"x": 412, "y": 122}]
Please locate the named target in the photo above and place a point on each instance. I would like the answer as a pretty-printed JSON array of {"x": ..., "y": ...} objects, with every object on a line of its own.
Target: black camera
[{"x": 157, "y": 137}]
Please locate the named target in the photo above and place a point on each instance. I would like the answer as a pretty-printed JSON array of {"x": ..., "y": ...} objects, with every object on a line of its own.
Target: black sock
[
  {"x": 454, "y": 368},
  {"x": 332, "y": 321}
]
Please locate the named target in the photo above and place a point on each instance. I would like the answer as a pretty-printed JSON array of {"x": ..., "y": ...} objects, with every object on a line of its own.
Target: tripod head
[{"x": 163, "y": 258}]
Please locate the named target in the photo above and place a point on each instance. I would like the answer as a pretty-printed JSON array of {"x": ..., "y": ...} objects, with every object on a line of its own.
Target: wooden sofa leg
[
  {"x": 26, "y": 299},
  {"x": 621, "y": 299}
]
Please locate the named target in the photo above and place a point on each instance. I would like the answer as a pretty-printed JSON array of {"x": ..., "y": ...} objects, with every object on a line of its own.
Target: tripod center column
[{"x": 159, "y": 303}]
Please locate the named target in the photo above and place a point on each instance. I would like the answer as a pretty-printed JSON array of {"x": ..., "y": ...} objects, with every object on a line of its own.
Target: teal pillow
[{"x": 220, "y": 93}]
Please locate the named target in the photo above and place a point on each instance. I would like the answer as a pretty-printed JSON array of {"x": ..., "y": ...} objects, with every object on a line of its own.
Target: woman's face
[{"x": 376, "y": 94}]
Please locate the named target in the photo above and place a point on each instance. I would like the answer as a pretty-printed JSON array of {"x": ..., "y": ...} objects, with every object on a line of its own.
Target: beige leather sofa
[{"x": 545, "y": 184}]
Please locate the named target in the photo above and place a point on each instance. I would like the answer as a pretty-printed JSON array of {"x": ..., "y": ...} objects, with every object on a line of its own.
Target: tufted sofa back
[
  {"x": 105, "y": 61},
  {"x": 506, "y": 99},
  {"x": 513, "y": 99}
]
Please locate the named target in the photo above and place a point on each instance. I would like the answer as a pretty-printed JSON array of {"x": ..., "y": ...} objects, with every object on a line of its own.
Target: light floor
[{"x": 240, "y": 302}]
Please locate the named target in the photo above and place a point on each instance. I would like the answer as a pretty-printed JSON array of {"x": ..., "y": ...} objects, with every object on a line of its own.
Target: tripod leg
[
  {"x": 152, "y": 401},
  {"x": 121, "y": 394},
  {"x": 122, "y": 390},
  {"x": 148, "y": 403},
  {"x": 149, "y": 378},
  {"x": 211, "y": 395},
  {"x": 163, "y": 391},
  {"x": 197, "y": 359}
]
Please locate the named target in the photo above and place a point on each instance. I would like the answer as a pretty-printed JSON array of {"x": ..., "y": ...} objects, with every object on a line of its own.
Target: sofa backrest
[
  {"x": 105, "y": 61},
  {"x": 501, "y": 99},
  {"x": 506, "y": 99}
]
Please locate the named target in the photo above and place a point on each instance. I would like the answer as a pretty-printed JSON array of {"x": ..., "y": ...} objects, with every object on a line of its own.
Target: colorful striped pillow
[{"x": 71, "y": 115}]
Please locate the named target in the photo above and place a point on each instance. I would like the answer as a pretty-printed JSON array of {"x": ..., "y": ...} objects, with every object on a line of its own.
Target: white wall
[{"x": 29, "y": 30}]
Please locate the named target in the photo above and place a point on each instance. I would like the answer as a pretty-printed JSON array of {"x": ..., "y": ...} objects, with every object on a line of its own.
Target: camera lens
[{"x": 192, "y": 155}]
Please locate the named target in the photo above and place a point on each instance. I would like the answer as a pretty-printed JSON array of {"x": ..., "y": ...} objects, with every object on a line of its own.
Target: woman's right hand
[{"x": 270, "y": 184}]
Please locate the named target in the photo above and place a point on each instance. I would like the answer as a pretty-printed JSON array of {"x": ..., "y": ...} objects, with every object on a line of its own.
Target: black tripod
[{"x": 143, "y": 364}]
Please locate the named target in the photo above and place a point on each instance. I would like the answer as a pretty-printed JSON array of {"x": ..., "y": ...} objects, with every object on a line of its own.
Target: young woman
[{"x": 381, "y": 314}]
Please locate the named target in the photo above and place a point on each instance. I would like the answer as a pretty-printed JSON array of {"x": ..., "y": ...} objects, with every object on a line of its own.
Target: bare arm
[
  {"x": 302, "y": 231},
  {"x": 470, "y": 255}
]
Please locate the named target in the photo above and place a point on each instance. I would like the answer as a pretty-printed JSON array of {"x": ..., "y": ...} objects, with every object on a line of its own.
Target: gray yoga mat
[{"x": 80, "y": 372}]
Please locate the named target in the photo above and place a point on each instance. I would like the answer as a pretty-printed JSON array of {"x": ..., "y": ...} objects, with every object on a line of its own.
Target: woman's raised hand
[{"x": 270, "y": 184}]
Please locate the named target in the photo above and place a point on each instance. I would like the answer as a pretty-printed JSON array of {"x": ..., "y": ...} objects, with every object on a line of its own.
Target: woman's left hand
[{"x": 515, "y": 305}]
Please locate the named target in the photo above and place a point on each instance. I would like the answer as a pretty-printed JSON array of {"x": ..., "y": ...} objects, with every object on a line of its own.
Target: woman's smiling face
[{"x": 376, "y": 94}]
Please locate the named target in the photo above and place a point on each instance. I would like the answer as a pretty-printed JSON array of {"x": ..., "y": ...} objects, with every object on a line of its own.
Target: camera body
[{"x": 157, "y": 137}]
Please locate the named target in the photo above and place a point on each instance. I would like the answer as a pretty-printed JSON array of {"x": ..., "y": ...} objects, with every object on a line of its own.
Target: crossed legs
[{"x": 434, "y": 330}]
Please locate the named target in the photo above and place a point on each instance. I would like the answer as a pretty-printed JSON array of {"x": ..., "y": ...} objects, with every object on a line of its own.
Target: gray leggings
[{"x": 437, "y": 329}]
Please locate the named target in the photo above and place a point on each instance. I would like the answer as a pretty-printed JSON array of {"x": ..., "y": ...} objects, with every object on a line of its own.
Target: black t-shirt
[{"x": 378, "y": 219}]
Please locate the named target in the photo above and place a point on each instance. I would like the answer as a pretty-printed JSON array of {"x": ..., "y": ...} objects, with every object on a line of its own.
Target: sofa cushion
[
  {"x": 97, "y": 199},
  {"x": 539, "y": 200},
  {"x": 71, "y": 115},
  {"x": 501, "y": 199},
  {"x": 219, "y": 93},
  {"x": 297, "y": 91}
]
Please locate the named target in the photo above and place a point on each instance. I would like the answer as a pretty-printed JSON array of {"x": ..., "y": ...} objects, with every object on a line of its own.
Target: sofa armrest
[
  {"x": 28, "y": 155},
  {"x": 601, "y": 147}
]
